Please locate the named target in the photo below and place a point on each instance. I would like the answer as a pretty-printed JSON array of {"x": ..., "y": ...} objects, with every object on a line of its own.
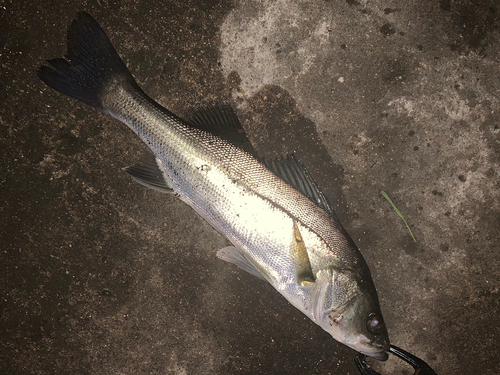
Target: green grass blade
[{"x": 384, "y": 194}]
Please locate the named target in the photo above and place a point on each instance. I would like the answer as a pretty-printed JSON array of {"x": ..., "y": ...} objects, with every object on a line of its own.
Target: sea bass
[{"x": 280, "y": 225}]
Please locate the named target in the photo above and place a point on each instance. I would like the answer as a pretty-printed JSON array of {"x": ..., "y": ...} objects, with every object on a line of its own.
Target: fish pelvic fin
[
  {"x": 90, "y": 63},
  {"x": 232, "y": 255}
]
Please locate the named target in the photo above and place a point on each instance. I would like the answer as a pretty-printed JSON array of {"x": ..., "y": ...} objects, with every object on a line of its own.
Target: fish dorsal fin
[
  {"x": 296, "y": 175},
  {"x": 148, "y": 172},
  {"x": 219, "y": 119}
]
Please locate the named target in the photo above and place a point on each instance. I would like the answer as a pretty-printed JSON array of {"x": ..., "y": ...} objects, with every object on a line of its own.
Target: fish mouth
[
  {"x": 381, "y": 356},
  {"x": 376, "y": 349}
]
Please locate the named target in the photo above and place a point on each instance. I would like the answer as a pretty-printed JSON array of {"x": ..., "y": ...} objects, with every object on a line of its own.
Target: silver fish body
[{"x": 277, "y": 232}]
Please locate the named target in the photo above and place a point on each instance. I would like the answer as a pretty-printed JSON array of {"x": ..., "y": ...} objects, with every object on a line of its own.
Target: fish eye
[{"x": 374, "y": 323}]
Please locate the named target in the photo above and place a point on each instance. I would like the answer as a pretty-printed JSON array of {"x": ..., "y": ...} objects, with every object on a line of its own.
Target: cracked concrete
[{"x": 102, "y": 276}]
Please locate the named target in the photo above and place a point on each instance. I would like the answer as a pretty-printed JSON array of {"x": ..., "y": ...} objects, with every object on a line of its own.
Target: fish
[{"x": 280, "y": 225}]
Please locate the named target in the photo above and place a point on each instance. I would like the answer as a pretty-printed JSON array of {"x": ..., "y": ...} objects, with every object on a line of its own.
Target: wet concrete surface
[{"x": 103, "y": 276}]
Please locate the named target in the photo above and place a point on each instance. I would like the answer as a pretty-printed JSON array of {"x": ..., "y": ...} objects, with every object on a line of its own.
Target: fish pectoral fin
[
  {"x": 300, "y": 256},
  {"x": 148, "y": 172},
  {"x": 219, "y": 119},
  {"x": 233, "y": 255}
]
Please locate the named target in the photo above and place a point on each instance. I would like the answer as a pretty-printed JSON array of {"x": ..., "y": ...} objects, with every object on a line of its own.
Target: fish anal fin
[{"x": 148, "y": 172}]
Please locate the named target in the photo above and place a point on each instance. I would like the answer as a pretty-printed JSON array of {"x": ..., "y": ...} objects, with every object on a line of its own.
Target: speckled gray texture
[{"x": 102, "y": 276}]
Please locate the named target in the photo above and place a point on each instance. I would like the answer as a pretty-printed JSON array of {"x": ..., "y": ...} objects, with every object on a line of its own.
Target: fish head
[{"x": 347, "y": 307}]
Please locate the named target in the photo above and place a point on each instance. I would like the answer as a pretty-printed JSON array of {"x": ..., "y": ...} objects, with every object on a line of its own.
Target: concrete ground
[{"x": 103, "y": 276}]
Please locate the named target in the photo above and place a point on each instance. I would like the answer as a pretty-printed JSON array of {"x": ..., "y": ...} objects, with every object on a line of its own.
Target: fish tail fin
[{"x": 90, "y": 63}]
